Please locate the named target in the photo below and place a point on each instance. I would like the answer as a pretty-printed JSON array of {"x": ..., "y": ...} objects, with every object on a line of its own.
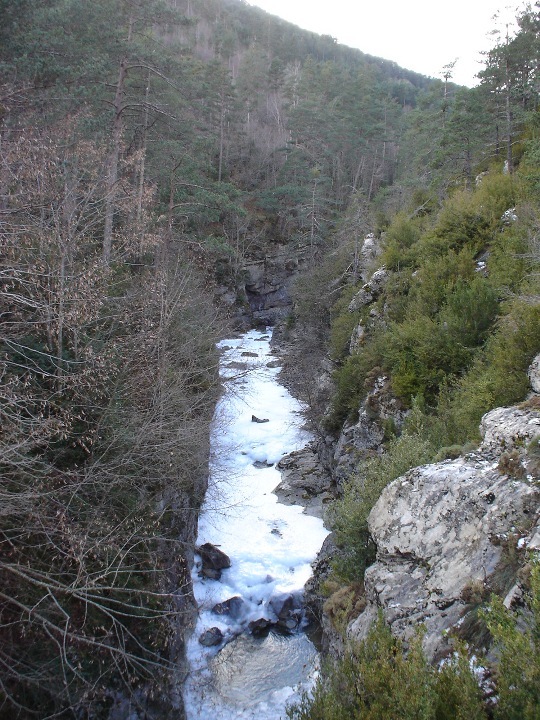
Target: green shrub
[
  {"x": 517, "y": 666},
  {"x": 508, "y": 262},
  {"x": 497, "y": 193},
  {"x": 420, "y": 354},
  {"x": 350, "y": 381},
  {"x": 400, "y": 240},
  {"x": 343, "y": 324},
  {"x": 349, "y": 518},
  {"x": 499, "y": 375},
  {"x": 462, "y": 222},
  {"x": 435, "y": 279},
  {"x": 377, "y": 680},
  {"x": 457, "y": 695},
  {"x": 470, "y": 310}
]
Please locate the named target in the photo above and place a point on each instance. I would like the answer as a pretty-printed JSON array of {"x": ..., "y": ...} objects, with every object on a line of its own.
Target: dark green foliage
[
  {"x": 499, "y": 375},
  {"x": 420, "y": 354},
  {"x": 376, "y": 680},
  {"x": 456, "y": 690},
  {"x": 400, "y": 239},
  {"x": 349, "y": 515},
  {"x": 469, "y": 312},
  {"x": 518, "y": 657},
  {"x": 461, "y": 223}
]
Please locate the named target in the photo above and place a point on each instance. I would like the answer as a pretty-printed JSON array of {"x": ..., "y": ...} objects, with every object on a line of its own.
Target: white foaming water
[{"x": 271, "y": 546}]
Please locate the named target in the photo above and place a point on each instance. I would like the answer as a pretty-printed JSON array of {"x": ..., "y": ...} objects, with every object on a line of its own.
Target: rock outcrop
[
  {"x": 370, "y": 291},
  {"x": 261, "y": 295},
  {"x": 213, "y": 561},
  {"x": 304, "y": 481},
  {"x": 534, "y": 374},
  {"x": 451, "y": 532},
  {"x": 381, "y": 412}
]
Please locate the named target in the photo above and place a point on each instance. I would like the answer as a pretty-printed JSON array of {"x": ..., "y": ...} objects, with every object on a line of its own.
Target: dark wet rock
[
  {"x": 235, "y": 365},
  {"x": 314, "y": 597},
  {"x": 304, "y": 481},
  {"x": 261, "y": 464},
  {"x": 255, "y": 419},
  {"x": 364, "y": 439},
  {"x": 213, "y": 559},
  {"x": 210, "y": 573},
  {"x": 289, "y": 624},
  {"x": 232, "y": 607},
  {"x": 211, "y": 637},
  {"x": 247, "y": 353},
  {"x": 288, "y": 609},
  {"x": 273, "y": 364},
  {"x": 284, "y": 605},
  {"x": 260, "y": 627}
]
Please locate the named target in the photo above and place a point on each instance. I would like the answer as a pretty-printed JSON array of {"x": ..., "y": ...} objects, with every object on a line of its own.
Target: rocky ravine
[
  {"x": 447, "y": 534},
  {"x": 450, "y": 532}
]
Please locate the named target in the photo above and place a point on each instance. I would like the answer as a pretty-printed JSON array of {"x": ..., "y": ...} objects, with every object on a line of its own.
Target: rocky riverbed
[{"x": 248, "y": 654}]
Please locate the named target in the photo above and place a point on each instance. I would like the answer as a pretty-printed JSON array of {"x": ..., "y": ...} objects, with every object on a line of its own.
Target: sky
[{"x": 420, "y": 35}]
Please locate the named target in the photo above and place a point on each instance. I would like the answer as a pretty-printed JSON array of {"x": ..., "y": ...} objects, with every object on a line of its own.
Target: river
[{"x": 271, "y": 547}]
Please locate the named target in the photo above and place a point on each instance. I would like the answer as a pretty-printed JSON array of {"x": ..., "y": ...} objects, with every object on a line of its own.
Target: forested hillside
[{"x": 149, "y": 151}]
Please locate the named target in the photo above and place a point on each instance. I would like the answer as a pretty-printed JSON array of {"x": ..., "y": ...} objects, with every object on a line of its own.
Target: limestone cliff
[
  {"x": 448, "y": 534},
  {"x": 259, "y": 291}
]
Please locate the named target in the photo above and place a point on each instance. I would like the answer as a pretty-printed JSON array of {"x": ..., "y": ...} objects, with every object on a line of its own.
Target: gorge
[{"x": 177, "y": 172}]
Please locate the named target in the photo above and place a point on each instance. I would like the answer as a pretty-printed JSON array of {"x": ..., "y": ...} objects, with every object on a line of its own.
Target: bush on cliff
[
  {"x": 382, "y": 678},
  {"x": 350, "y": 514},
  {"x": 377, "y": 679}
]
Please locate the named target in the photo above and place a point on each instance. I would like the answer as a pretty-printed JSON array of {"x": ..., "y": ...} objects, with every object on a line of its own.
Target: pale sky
[{"x": 420, "y": 35}]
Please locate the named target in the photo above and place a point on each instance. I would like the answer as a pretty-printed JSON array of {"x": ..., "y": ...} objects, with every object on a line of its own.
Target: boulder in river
[
  {"x": 288, "y": 609},
  {"x": 262, "y": 464},
  {"x": 211, "y": 637},
  {"x": 260, "y": 627},
  {"x": 232, "y": 607},
  {"x": 214, "y": 561},
  {"x": 284, "y": 605},
  {"x": 304, "y": 481},
  {"x": 255, "y": 419},
  {"x": 210, "y": 573}
]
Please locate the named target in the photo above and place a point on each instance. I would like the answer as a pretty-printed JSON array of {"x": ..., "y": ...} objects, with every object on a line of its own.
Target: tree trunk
[
  {"x": 508, "y": 113},
  {"x": 468, "y": 166},
  {"x": 221, "y": 136},
  {"x": 142, "y": 168},
  {"x": 508, "y": 109},
  {"x": 373, "y": 169},
  {"x": 112, "y": 175}
]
